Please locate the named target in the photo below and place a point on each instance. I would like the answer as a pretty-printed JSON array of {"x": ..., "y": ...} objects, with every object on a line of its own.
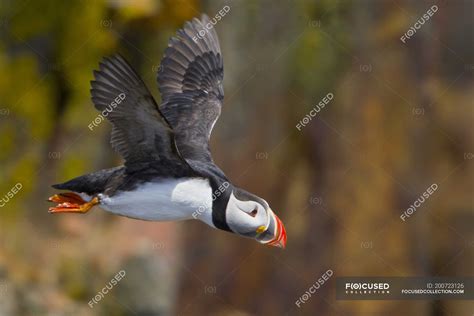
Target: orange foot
[{"x": 71, "y": 203}]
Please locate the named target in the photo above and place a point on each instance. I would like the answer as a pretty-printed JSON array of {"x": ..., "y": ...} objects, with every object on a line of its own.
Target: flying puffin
[{"x": 168, "y": 172}]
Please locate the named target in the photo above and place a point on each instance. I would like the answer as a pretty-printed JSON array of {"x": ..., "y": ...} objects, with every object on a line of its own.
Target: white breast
[{"x": 166, "y": 199}]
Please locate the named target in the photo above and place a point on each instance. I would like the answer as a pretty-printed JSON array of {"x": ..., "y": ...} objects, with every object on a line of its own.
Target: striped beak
[
  {"x": 275, "y": 234},
  {"x": 280, "y": 234}
]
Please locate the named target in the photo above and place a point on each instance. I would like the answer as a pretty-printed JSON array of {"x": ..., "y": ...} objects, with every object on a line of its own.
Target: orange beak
[{"x": 280, "y": 235}]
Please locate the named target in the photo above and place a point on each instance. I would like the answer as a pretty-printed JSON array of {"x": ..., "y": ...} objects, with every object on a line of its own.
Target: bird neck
[{"x": 204, "y": 214}]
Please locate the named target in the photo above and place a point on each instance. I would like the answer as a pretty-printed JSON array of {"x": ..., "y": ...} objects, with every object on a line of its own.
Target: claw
[
  {"x": 71, "y": 203},
  {"x": 67, "y": 197}
]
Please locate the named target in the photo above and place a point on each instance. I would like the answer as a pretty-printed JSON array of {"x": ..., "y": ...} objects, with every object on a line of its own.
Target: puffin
[{"x": 168, "y": 173}]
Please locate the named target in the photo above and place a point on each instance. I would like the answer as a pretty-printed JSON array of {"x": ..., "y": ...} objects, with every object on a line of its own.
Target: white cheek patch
[
  {"x": 245, "y": 206},
  {"x": 238, "y": 216}
]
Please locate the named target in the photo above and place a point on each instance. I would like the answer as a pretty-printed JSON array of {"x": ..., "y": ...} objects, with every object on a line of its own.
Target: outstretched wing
[
  {"x": 190, "y": 82},
  {"x": 140, "y": 133}
]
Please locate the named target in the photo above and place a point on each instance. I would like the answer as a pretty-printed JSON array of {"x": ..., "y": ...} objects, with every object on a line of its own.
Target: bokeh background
[{"x": 401, "y": 119}]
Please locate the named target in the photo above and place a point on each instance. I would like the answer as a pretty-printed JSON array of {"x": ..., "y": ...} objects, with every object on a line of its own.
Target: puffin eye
[{"x": 253, "y": 213}]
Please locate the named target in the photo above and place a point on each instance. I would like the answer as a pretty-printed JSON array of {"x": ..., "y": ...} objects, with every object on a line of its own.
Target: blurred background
[{"x": 401, "y": 119}]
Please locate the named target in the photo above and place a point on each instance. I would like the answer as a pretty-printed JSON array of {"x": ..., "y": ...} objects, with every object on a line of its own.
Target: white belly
[{"x": 164, "y": 200}]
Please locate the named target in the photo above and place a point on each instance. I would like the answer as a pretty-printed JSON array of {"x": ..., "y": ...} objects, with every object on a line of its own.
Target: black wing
[
  {"x": 92, "y": 183},
  {"x": 140, "y": 133},
  {"x": 190, "y": 82}
]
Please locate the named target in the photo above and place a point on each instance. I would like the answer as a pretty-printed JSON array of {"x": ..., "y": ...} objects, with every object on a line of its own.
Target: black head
[{"x": 248, "y": 215}]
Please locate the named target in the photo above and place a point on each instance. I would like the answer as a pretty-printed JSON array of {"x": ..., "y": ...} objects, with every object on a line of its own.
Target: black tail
[{"x": 92, "y": 183}]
